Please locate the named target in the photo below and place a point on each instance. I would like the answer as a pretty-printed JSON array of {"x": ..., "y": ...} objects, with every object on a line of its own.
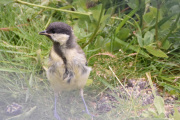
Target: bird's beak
[{"x": 43, "y": 33}]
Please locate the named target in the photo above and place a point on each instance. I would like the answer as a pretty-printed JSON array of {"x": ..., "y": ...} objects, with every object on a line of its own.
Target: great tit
[{"x": 67, "y": 64}]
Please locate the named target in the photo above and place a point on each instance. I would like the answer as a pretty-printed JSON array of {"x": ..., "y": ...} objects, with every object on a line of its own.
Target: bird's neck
[
  {"x": 71, "y": 43},
  {"x": 60, "y": 50}
]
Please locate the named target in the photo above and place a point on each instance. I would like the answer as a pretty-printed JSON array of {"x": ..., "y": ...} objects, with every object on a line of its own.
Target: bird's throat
[{"x": 59, "y": 51}]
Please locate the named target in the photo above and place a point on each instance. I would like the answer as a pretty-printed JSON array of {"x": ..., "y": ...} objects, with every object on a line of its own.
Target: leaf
[
  {"x": 140, "y": 39},
  {"x": 134, "y": 48},
  {"x": 105, "y": 18},
  {"x": 166, "y": 26},
  {"x": 100, "y": 42},
  {"x": 175, "y": 9},
  {"x": 126, "y": 19},
  {"x": 96, "y": 12},
  {"x": 159, "y": 104},
  {"x": 164, "y": 20},
  {"x": 123, "y": 33},
  {"x": 116, "y": 46},
  {"x": 133, "y": 3},
  {"x": 149, "y": 18},
  {"x": 148, "y": 38},
  {"x": 166, "y": 45},
  {"x": 80, "y": 4},
  {"x": 79, "y": 32},
  {"x": 155, "y": 52},
  {"x": 89, "y": 82}
]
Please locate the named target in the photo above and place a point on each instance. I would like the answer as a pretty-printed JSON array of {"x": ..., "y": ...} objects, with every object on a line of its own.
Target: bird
[{"x": 67, "y": 63}]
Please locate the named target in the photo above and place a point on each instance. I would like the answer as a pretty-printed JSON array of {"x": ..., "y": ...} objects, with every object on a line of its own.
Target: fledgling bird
[{"x": 67, "y": 65}]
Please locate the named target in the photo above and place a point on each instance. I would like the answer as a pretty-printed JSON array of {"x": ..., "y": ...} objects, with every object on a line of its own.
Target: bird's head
[{"x": 58, "y": 32}]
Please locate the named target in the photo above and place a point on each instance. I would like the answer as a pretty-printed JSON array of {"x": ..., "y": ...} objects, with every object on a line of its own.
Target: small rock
[{"x": 14, "y": 109}]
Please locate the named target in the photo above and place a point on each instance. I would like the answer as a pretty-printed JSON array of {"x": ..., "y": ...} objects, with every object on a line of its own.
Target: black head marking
[
  {"x": 58, "y": 50},
  {"x": 59, "y": 27}
]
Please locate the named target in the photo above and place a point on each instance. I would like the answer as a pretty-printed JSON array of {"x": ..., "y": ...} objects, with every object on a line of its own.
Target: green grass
[{"x": 24, "y": 53}]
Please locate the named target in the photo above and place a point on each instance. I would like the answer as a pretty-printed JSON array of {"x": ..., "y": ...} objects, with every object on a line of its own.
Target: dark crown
[{"x": 59, "y": 27}]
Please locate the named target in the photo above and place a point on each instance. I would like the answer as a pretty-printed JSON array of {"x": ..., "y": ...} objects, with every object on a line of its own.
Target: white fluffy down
[{"x": 61, "y": 38}]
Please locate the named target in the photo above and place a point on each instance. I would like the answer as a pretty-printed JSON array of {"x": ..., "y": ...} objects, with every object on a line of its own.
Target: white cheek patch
[{"x": 61, "y": 38}]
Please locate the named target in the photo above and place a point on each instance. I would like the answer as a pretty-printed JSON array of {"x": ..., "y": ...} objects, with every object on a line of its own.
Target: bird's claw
[
  {"x": 57, "y": 116},
  {"x": 92, "y": 116}
]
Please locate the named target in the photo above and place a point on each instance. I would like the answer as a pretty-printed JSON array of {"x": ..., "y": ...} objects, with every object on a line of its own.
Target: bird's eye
[{"x": 53, "y": 31}]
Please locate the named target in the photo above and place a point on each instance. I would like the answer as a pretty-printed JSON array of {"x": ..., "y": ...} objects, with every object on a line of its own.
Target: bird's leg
[
  {"x": 82, "y": 96},
  {"x": 55, "y": 104}
]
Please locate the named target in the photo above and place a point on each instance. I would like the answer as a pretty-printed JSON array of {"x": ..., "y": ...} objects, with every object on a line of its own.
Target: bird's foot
[
  {"x": 56, "y": 115},
  {"x": 91, "y": 115}
]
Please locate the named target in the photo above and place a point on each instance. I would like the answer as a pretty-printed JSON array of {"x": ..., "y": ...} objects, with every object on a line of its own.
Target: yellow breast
[{"x": 75, "y": 63}]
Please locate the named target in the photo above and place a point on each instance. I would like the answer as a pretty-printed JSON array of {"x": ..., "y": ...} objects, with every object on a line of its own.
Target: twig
[
  {"x": 148, "y": 74},
  {"x": 119, "y": 81},
  {"x": 58, "y": 9},
  {"x": 124, "y": 9},
  {"x": 10, "y": 28},
  {"x": 106, "y": 54}
]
